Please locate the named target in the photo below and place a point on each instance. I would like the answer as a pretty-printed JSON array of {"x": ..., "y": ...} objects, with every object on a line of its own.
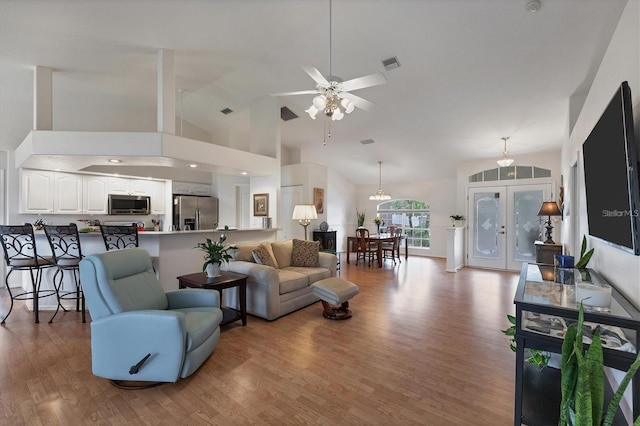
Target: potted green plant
[
  {"x": 216, "y": 252},
  {"x": 535, "y": 357},
  {"x": 582, "y": 382},
  {"x": 360, "y": 218},
  {"x": 585, "y": 256},
  {"x": 456, "y": 218}
]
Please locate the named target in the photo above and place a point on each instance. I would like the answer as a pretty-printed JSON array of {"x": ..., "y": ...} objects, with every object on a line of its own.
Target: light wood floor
[{"x": 423, "y": 347}]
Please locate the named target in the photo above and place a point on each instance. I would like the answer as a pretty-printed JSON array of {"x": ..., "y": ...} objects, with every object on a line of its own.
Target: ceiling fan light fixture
[
  {"x": 347, "y": 105},
  {"x": 337, "y": 115},
  {"x": 312, "y": 111},
  {"x": 320, "y": 102}
]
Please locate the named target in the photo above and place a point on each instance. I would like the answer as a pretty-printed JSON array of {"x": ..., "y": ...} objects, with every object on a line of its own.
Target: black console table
[
  {"x": 539, "y": 295},
  {"x": 327, "y": 240}
]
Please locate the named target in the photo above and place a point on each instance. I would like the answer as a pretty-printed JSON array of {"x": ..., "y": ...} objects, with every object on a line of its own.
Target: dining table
[{"x": 380, "y": 239}]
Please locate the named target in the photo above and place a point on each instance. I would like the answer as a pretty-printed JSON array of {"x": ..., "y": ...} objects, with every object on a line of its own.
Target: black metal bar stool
[
  {"x": 67, "y": 254},
  {"x": 20, "y": 254},
  {"x": 119, "y": 237}
]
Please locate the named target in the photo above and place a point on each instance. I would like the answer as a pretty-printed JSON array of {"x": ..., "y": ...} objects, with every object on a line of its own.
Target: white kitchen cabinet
[
  {"x": 158, "y": 195},
  {"x": 118, "y": 185},
  {"x": 36, "y": 191},
  {"x": 95, "y": 194},
  {"x": 190, "y": 188},
  {"x": 140, "y": 187},
  {"x": 50, "y": 192},
  {"x": 67, "y": 193}
]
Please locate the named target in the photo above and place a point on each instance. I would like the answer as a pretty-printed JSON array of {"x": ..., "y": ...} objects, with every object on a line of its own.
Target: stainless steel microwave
[{"x": 129, "y": 204}]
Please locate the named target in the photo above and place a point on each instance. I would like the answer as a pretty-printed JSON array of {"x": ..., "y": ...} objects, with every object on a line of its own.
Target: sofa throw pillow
[
  {"x": 282, "y": 252},
  {"x": 305, "y": 253},
  {"x": 244, "y": 252},
  {"x": 263, "y": 257}
]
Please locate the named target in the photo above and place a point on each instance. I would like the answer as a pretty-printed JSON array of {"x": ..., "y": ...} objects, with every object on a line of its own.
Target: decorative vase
[
  {"x": 378, "y": 229},
  {"x": 213, "y": 270}
]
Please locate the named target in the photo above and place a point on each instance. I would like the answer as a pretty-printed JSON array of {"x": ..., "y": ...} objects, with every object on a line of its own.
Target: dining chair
[
  {"x": 390, "y": 250},
  {"x": 21, "y": 254},
  {"x": 119, "y": 237},
  {"x": 365, "y": 249},
  {"x": 64, "y": 241}
]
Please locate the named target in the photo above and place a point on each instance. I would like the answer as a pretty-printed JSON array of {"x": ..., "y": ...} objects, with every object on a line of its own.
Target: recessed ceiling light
[
  {"x": 533, "y": 6},
  {"x": 114, "y": 160},
  {"x": 243, "y": 173},
  {"x": 193, "y": 166}
]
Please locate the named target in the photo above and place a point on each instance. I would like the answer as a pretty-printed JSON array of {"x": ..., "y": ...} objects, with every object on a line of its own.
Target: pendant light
[
  {"x": 505, "y": 161},
  {"x": 380, "y": 195}
]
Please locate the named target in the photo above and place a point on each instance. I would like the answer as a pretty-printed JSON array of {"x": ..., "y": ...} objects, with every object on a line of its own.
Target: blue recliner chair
[{"x": 139, "y": 333}]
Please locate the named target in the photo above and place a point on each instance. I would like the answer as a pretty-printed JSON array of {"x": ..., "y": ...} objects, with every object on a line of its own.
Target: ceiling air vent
[
  {"x": 391, "y": 63},
  {"x": 227, "y": 111},
  {"x": 366, "y": 141},
  {"x": 286, "y": 114}
]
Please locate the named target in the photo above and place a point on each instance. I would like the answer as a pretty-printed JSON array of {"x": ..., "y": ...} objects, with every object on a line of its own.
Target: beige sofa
[{"x": 273, "y": 292}]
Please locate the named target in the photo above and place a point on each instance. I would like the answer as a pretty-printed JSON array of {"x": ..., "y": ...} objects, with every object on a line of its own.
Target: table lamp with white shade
[{"x": 304, "y": 214}]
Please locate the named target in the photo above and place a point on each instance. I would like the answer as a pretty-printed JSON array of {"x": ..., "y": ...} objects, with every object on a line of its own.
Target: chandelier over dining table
[{"x": 380, "y": 195}]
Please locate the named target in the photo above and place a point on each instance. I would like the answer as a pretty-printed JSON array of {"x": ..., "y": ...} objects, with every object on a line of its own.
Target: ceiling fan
[{"x": 334, "y": 97}]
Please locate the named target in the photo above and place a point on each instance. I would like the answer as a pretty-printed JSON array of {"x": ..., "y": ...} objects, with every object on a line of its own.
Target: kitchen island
[{"x": 173, "y": 253}]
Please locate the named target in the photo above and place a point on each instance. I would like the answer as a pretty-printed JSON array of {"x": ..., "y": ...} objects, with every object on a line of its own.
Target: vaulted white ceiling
[{"x": 472, "y": 71}]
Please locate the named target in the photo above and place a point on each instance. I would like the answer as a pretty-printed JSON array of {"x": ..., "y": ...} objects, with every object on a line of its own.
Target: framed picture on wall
[
  {"x": 318, "y": 199},
  {"x": 261, "y": 204}
]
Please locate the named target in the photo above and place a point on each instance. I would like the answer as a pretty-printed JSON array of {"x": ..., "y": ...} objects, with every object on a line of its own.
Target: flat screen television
[{"x": 611, "y": 174}]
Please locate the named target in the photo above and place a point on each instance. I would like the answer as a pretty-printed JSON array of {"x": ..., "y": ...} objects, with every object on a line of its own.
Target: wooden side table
[{"x": 219, "y": 283}]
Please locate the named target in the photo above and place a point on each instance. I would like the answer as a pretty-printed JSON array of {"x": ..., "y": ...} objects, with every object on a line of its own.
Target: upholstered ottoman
[{"x": 335, "y": 291}]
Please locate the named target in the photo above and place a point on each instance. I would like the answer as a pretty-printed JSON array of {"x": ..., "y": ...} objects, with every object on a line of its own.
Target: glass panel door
[
  {"x": 526, "y": 201},
  {"x": 504, "y": 225},
  {"x": 487, "y": 212}
]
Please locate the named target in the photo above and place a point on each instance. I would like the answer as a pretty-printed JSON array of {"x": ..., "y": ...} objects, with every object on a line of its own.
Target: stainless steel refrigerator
[{"x": 194, "y": 211}]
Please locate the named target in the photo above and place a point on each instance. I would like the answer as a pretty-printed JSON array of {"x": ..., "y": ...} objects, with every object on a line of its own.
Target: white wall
[
  {"x": 225, "y": 188},
  {"x": 340, "y": 200},
  {"x": 621, "y": 62}
]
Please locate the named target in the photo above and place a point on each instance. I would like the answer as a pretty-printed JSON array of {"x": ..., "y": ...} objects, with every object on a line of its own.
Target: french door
[{"x": 504, "y": 225}]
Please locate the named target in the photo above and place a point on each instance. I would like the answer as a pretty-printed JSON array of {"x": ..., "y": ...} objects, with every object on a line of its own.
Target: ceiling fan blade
[
  {"x": 316, "y": 75},
  {"x": 362, "y": 82},
  {"x": 358, "y": 101},
  {"x": 301, "y": 92}
]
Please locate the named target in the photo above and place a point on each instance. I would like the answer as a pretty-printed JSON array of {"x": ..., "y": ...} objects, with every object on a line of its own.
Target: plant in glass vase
[
  {"x": 379, "y": 222},
  {"x": 216, "y": 252}
]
